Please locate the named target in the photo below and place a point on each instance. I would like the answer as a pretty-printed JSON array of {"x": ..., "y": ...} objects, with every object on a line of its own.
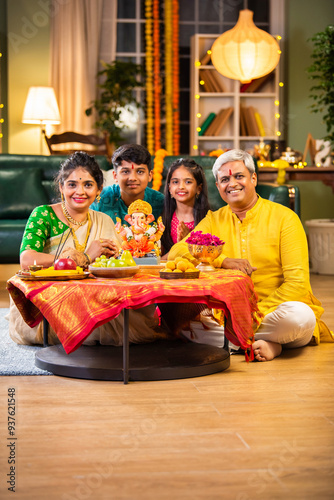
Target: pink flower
[{"x": 198, "y": 238}]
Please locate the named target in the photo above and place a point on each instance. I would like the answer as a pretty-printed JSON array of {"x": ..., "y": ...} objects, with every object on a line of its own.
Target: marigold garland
[
  {"x": 156, "y": 76},
  {"x": 149, "y": 77},
  {"x": 153, "y": 76},
  {"x": 158, "y": 168},
  {"x": 217, "y": 152},
  {"x": 176, "y": 72},
  {"x": 168, "y": 75}
]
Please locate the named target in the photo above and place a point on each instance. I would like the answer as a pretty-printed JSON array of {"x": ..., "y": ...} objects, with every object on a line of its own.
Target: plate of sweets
[
  {"x": 114, "y": 268},
  {"x": 179, "y": 269}
]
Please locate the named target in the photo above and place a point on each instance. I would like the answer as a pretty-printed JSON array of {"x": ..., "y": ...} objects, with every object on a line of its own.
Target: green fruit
[
  {"x": 112, "y": 262},
  {"x": 127, "y": 257},
  {"x": 122, "y": 263}
]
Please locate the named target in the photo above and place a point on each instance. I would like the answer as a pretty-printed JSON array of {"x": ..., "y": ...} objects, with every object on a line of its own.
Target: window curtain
[{"x": 75, "y": 43}]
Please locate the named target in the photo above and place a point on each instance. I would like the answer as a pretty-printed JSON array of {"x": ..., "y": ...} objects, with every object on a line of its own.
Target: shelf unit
[{"x": 202, "y": 103}]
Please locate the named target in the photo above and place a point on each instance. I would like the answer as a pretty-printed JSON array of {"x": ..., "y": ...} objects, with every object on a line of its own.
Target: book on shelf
[
  {"x": 218, "y": 81},
  {"x": 206, "y": 84},
  {"x": 259, "y": 123},
  {"x": 257, "y": 83},
  {"x": 244, "y": 86},
  {"x": 218, "y": 123},
  {"x": 210, "y": 85},
  {"x": 212, "y": 80},
  {"x": 210, "y": 130},
  {"x": 208, "y": 120},
  {"x": 243, "y": 127},
  {"x": 206, "y": 59},
  {"x": 251, "y": 123},
  {"x": 223, "y": 120}
]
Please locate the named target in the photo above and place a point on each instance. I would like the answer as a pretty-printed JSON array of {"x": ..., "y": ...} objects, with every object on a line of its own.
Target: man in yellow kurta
[{"x": 267, "y": 241}]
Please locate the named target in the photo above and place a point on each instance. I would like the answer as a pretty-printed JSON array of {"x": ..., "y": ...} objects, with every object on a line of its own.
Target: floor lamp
[{"x": 41, "y": 108}]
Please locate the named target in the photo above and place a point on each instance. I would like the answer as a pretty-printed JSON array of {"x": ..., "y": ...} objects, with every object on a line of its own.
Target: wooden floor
[{"x": 255, "y": 431}]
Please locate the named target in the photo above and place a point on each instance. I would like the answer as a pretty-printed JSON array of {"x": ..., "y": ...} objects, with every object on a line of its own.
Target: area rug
[{"x": 16, "y": 359}]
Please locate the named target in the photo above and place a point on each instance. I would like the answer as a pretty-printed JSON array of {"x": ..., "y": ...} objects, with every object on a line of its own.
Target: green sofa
[
  {"x": 285, "y": 194},
  {"x": 27, "y": 181}
]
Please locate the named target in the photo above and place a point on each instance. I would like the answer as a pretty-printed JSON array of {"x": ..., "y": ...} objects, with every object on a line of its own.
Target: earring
[
  {"x": 98, "y": 198},
  {"x": 62, "y": 197}
]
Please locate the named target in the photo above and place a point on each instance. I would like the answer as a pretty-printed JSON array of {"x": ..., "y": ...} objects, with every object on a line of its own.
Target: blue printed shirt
[{"x": 112, "y": 204}]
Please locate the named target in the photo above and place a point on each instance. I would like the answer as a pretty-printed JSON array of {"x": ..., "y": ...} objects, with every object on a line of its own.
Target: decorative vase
[{"x": 206, "y": 255}]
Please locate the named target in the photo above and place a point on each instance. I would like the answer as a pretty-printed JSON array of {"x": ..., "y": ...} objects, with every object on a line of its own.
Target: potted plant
[
  {"x": 118, "y": 80},
  {"x": 322, "y": 72}
]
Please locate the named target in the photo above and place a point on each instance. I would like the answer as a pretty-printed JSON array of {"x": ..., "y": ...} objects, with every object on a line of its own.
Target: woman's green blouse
[{"x": 42, "y": 225}]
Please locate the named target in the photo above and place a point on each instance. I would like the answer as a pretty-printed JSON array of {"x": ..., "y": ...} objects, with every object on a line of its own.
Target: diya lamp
[{"x": 35, "y": 267}]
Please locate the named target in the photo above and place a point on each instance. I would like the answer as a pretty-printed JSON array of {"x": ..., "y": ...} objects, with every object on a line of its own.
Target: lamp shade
[
  {"x": 245, "y": 52},
  {"x": 41, "y": 107}
]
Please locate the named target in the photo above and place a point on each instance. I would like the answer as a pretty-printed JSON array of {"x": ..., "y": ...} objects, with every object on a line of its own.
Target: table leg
[
  {"x": 45, "y": 332},
  {"x": 226, "y": 342},
  {"x": 126, "y": 347}
]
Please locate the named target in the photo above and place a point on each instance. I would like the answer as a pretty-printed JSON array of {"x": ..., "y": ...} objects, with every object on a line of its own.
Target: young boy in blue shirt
[{"x": 132, "y": 173}]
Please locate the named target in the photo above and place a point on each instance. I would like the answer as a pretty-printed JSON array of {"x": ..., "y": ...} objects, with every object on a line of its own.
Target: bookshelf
[{"x": 236, "y": 115}]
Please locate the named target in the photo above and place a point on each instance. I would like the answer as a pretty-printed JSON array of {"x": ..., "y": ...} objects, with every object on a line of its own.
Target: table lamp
[{"x": 41, "y": 108}]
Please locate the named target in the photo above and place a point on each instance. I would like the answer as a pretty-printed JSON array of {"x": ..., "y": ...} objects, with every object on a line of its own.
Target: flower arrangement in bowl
[{"x": 205, "y": 248}]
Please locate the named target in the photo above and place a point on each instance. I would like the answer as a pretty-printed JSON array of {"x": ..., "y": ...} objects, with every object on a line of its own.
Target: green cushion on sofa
[{"x": 21, "y": 191}]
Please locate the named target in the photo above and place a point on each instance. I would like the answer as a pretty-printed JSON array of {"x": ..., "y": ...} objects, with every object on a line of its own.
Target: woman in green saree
[{"x": 88, "y": 234}]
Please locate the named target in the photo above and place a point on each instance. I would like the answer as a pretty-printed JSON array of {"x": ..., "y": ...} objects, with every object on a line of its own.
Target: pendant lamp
[{"x": 245, "y": 52}]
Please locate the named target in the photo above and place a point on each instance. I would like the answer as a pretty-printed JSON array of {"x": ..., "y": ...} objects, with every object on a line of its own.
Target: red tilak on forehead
[
  {"x": 230, "y": 171},
  {"x": 132, "y": 166}
]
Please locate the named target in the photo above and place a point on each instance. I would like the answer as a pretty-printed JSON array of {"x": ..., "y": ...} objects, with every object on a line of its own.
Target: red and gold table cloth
[{"x": 75, "y": 308}]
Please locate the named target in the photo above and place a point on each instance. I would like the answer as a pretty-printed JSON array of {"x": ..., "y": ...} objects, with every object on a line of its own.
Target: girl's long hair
[{"x": 201, "y": 205}]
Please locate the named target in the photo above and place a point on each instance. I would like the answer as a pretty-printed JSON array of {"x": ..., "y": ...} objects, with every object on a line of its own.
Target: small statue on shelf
[
  {"x": 262, "y": 151},
  {"x": 143, "y": 234}
]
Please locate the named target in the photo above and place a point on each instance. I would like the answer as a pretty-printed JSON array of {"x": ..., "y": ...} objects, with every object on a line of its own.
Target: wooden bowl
[
  {"x": 179, "y": 276},
  {"x": 114, "y": 272}
]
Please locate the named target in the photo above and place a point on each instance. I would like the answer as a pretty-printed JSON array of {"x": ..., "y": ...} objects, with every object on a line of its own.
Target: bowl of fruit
[
  {"x": 179, "y": 269},
  {"x": 121, "y": 267}
]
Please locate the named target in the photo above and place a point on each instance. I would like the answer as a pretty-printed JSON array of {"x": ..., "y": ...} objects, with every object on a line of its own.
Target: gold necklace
[
  {"x": 70, "y": 219},
  {"x": 78, "y": 246}
]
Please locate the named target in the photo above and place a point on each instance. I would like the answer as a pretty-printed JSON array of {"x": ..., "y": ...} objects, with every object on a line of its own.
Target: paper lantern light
[{"x": 245, "y": 52}]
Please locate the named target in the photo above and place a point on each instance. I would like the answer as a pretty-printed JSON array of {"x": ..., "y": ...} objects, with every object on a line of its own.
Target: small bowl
[{"x": 35, "y": 268}]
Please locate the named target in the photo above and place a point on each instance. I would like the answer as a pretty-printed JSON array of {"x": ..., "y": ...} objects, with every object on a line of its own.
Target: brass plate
[{"x": 28, "y": 277}]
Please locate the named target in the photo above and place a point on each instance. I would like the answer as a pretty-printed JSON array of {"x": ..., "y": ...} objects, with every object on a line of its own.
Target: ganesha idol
[{"x": 142, "y": 236}]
